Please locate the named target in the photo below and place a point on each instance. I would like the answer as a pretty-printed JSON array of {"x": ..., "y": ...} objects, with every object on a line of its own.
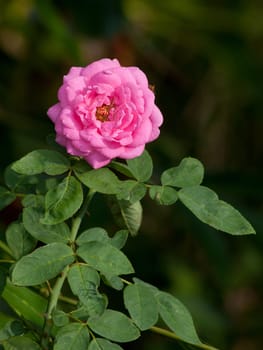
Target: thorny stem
[{"x": 55, "y": 293}]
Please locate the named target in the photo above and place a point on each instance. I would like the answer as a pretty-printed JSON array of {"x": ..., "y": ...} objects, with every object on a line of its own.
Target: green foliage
[
  {"x": 42, "y": 161},
  {"x": 60, "y": 318},
  {"x": 6, "y": 197},
  {"x": 206, "y": 206},
  {"x": 93, "y": 234},
  {"x": 11, "y": 329},
  {"x": 21, "y": 343},
  {"x": 141, "y": 304},
  {"x": 51, "y": 246},
  {"x": 19, "y": 241},
  {"x": 141, "y": 167},
  {"x": 105, "y": 258},
  {"x": 177, "y": 318},
  {"x": 27, "y": 304},
  {"x": 84, "y": 282},
  {"x": 119, "y": 239},
  {"x": 127, "y": 215},
  {"x": 189, "y": 172},
  {"x": 163, "y": 195},
  {"x": 45, "y": 233},
  {"x": 131, "y": 191},
  {"x": 103, "y": 344},
  {"x": 114, "y": 326},
  {"x": 72, "y": 336},
  {"x": 41, "y": 265},
  {"x": 102, "y": 180},
  {"x": 63, "y": 201}
]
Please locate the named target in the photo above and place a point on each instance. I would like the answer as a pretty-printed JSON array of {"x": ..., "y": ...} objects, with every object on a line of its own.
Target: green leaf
[
  {"x": 121, "y": 168},
  {"x": 26, "y": 303},
  {"x": 119, "y": 239},
  {"x": 80, "y": 313},
  {"x": 189, "y": 172},
  {"x": 103, "y": 344},
  {"x": 127, "y": 215},
  {"x": 41, "y": 265},
  {"x": 3, "y": 277},
  {"x": 146, "y": 285},
  {"x": 141, "y": 167},
  {"x": 177, "y": 318},
  {"x": 47, "y": 184},
  {"x": 142, "y": 305},
  {"x": 105, "y": 258},
  {"x": 19, "y": 183},
  {"x": 131, "y": 191},
  {"x": 63, "y": 202},
  {"x": 4, "y": 318},
  {"x": 163, "y": 195},
  {"x": 93, "y": 234},
  {"x": 101, "y": 180},
  {"x": 94, "y": 302},
  {"x": 206, "y": 206},
  {"x": 114, "y": 326},
  {"x": 6, "y": 197},
  {"x": 80, "y": 276},
  {"x": 18, "y": 240},
  {"x": 21, "y": 343},
  {"x": 81, "y": 166},
  {"x": 60, "y": 318},
  {"x": 84, "y": 282},
  {"x": 73, "y": 336},
  {"x": 11, "y": 329},
  {"x": 42, "y": 161},
  {"x": 44, "y": 233},
  {"x": 34, "y": 200},
  {"x": 114, "y": 282}
]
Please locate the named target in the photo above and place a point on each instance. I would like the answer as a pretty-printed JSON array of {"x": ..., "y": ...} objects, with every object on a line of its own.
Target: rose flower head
[{"x": 105, "y": 111}]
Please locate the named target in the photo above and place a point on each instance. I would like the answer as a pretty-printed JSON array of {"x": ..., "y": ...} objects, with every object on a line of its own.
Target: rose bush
[{"x": 105, "y": 111}]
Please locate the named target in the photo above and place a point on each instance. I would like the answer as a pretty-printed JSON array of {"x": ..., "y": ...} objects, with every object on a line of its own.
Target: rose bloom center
[{"x": 102, "y": 112}]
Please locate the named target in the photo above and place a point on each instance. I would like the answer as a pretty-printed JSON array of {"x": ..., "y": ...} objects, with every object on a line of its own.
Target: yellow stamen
[{"x": 102, "y": 112}]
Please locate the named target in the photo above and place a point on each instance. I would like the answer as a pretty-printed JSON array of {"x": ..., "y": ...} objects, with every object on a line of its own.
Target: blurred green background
[{"x": 205, "y": 59}]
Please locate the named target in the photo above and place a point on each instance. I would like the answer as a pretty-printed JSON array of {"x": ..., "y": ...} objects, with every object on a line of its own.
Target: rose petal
[
  {"x": 98, "y": 66},
  {"x": 157, "y": 120},
  {"x": 92, "y": 136},
  {"x": 139, "y": 77},
  {"x": 106, "y": 79},
  {"x": 142, "y": 133},
  {"x": 131, "y": 152},
  {"x": 73, "y": 73},
  {"x": 97, "y": 160},
  {"x": 54, "y": 111},
  {"x": 70, "y": 119},
  {"x": 112, "y": 151}
]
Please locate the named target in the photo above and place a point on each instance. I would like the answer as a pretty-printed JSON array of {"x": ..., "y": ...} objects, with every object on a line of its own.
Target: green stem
[
  {"x": 55, "y": 294},
  {"x": 68, "y": 300},
  {"x": 5, "y": 248},
  {"x": 7, "y": 261},
  {"x": 77, "y": 220},
  {"x": 126, "y": 282},
  {"x": 172, "y": 335},
  {"x": 56, "y": 291}
]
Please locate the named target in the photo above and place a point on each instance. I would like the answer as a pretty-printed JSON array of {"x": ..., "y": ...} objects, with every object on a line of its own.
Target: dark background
[{"x": 205, "y": 59}]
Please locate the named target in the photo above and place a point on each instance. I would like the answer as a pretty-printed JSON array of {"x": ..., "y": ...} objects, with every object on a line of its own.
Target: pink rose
[{"x": 105, "y": 111}]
